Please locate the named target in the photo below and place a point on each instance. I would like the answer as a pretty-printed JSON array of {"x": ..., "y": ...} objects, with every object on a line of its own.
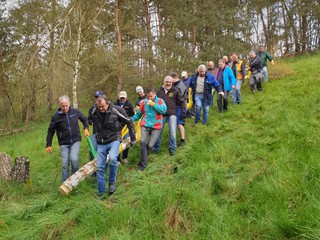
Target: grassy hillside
[{"x": 252, "y": 173}]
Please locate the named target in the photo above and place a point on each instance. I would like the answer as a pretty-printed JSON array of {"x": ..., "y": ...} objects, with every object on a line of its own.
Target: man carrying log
[
  {"x": 109, "y": 121},
  {"x": 65, "y": 123}
]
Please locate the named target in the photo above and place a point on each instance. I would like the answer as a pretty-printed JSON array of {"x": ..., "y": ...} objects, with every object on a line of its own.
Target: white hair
[
  {"x": 64, "y": 98},
  {"x": 202, "y": 66}
]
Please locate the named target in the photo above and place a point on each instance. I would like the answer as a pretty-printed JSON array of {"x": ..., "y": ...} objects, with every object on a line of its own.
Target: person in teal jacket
[
  {"x": 151, "y": 110},
  {"x": 264, "y": 56},
  {"x": 227, "y": 81}
]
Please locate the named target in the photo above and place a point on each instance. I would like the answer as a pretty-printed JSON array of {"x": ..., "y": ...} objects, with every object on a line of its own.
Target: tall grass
[{"x": 252, "y": 173}]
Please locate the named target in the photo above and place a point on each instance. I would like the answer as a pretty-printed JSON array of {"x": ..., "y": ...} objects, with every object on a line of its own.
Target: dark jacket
[
  {"x": 90, "y": 119},
  {"x": 109, "y": 128},
  {"x": 255, "y": 65},
  {"x": 210, "y": 83},
  {"x": 172, "y": 99},
  {"x": 264, "y": 56},
  {"x": 66, "y": 126},
  {"x": 182, "y": 88},
  {"x": 127, "y": 107},
  {"x": 140, "y": 99}
]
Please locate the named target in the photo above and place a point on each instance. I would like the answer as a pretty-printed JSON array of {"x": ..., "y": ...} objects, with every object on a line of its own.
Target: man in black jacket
[
  {"x": 109, "y": 121},
  {"x": 256, "y": 74},
  {"x": 65, "y": 124},
  {"x": 172, "y": 97}
]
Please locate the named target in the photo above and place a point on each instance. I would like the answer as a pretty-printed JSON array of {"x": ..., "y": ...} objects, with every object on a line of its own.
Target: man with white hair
[
  {"x": 202, "y": 84},
  {"x": 65, "y": 124},
  {"x": 173, "y": 99},
  {"x": 256, "y": 75}
]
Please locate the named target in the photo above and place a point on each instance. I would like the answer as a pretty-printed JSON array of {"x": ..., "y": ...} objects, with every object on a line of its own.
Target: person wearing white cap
[
  {"x": 127, "y": 106},
  {"x": 142, "y": 96}
]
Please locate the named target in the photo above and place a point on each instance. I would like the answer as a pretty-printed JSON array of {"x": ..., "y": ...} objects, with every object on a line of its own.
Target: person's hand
[
  {"x": 136, "y": 108},
  {"x": 247, "y": 69},
  {"x": 133, "y": 142},
  {"x": 86, "y": 132},
  {"x": 233, "y": 86},
  {"x": 272, "y": 62},
  {"x": 221, "y": 93},
  {"x": 48, "y": 149},
  {"x": 151, "y": 103}
]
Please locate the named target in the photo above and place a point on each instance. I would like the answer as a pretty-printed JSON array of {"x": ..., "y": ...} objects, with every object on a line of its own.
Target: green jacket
[{"x": 263, "y": 57}]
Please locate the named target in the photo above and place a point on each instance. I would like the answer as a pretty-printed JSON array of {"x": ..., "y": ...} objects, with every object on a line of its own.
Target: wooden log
[
  {"x": 21, "y": 169},
  {"x": 5, "y": 167},
  {"x": 68, "y": 185}
]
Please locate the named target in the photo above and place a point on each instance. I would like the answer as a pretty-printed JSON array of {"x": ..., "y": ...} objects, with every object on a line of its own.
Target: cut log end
[{"x": 65, "y": 190}]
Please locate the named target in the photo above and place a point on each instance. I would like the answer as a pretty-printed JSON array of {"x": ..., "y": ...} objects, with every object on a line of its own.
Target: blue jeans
[
  {"x": 69, "y": 154},
  {"x": 172, "y": 120},
  {"x": 199, "y": 105},
  {"x": 265, "y": 74},
  {"x": 236, "y": 94},
  {"x": 103, "y": 150}
]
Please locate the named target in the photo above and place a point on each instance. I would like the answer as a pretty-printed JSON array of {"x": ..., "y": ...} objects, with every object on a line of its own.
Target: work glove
[
  {"x": 272, "y": 62},
  {"x": 48, "y": 149},
  {"x": 150, "y": 103},
  {"x": 86, "y": 132},
  {"x": 221, "y": 93},
  {"x": 182, "y": 116},
  {"x": 133, "y": 142}
]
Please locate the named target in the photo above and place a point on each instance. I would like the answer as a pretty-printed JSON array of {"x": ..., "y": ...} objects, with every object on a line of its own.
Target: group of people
[{"x": 170, "y": 104}]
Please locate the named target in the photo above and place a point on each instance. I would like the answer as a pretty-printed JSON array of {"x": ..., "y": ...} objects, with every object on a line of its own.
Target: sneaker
[
  {"x": 140, "y": 168},
  {"x": 119, "y": 163},
  {"x": 182, "y": 143},
  {"x": 124, "y": 160},
  {"x": 100, "y": 194},
  {"x": 172, "y": 153},
  {"x": 112, "y": 188}
]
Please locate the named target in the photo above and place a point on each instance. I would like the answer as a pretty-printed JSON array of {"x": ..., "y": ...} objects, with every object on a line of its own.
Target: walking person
[
  {"x": 227, "y": 81},
  {"x": 178, "y": 84},
  {"x": 65, "y": 123},
  {"x": 212, "y": 69},
  {"x": 256, "y": 75},
  {"x": 90, "y": 121},
  {"x": 264, "y": 57},
  {"x": 173, "y": 99},
  {"x": 109, "y": 120},
  {"x": 202, "y": 84},
  {"x": 151, "y": 110},
  {"x": 141, "y": 96},
  {"x": 238, "y": 69},
  {"x": 127, "y": 106}
]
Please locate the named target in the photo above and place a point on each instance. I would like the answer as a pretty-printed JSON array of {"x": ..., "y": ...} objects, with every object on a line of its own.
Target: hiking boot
[
  {"x": 172, "y": 153},
  {"x": 112, "y": 188}
]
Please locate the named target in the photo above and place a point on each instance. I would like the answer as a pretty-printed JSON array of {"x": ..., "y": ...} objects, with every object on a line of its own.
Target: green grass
[{"x": 252, "y": 173}]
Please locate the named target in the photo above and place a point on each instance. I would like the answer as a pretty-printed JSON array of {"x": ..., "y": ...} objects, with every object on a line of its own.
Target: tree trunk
[
  {"x": 5, "y": 167},
  {"x": 21, "y": 169},
  {"x": 51, "y": 55},
  {"x": 119, "y": 47}
]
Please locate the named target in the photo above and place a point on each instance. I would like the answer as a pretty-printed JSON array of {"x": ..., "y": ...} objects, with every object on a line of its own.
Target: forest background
[{"x": 53, "y": 47}]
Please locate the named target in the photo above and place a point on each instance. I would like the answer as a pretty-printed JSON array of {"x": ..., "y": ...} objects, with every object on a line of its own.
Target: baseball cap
[
  {"x": 184, "y": 74},
  {"x": 123, "y": 94},
  {"x": 139, "y": 89},
  {"x": 98, "y": 93}
]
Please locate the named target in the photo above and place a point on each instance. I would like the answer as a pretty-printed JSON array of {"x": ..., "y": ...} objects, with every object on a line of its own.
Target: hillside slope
[{"x": 252, "y": 173}]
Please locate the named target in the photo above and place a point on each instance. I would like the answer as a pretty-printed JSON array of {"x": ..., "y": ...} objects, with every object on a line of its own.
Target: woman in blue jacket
[{"x": 227, "y": 80}]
